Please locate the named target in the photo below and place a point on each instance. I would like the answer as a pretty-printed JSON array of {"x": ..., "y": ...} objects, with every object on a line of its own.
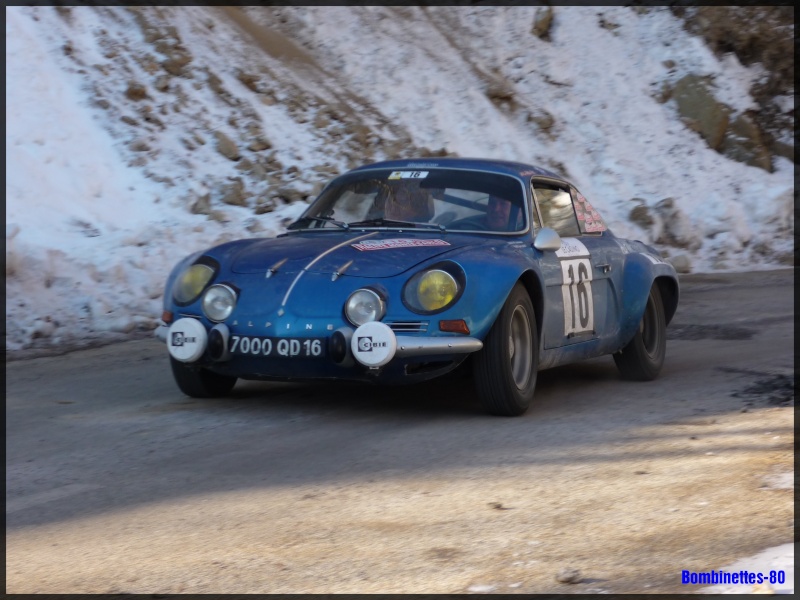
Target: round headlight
[
  {"x": 191, "y": 283},
  {"x": 431, "y": 290},
  {"x": 364, "y": 306},
  {"x": 219, "y": 302}
]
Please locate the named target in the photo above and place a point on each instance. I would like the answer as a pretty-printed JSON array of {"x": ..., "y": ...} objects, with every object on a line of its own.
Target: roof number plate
[{"x": 408, "y": 175}]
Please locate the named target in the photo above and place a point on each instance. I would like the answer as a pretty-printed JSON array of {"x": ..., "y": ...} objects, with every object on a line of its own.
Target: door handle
[{"x": 605, "y": 267}]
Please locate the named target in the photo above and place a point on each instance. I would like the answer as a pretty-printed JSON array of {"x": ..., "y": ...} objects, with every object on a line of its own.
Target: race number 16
[{"x": 577, "y": 294}]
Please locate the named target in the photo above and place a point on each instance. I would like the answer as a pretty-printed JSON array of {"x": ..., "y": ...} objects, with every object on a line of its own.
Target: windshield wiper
[
  {"x": 297, "y": 224},
  {"x": 381, "y": 222},
  {"x": 438, "y": 226}
]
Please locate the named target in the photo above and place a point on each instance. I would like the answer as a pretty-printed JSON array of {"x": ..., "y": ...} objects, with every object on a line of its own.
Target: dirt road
[{"x": 118, "y": 483}]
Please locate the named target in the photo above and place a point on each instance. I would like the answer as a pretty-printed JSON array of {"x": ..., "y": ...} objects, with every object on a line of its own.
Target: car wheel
[
  {"x": 200, "y": 383},
  {"x": 642, "y": 358},
  {"x": 505, "y": 368}
]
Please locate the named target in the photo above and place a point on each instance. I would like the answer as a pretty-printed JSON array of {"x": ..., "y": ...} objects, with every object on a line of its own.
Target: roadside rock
[
  {"x": 139, "y": 145},
  {"x": 289, "y": 195},
  {"x": 215, "y": 83},
  {"x": 745, "y": 143},
  {"x": 250, "y": 81},
  {"x": 264, "y": 205},
  {"x": 678, "y": 229},
  {"x": 176, "y": 63},
  {"x": 234, "y": 193},
  {"x": 227, "y": 147},
  {"x": 568, "y": 575},
  {"x": 542, "y": 23},
  {"x": 739, "y": 137},
  {"x": 202, "y": 205},
  {"x": 136, "y": 91},
  {"x": 700, "y": 110},
  {"x": 641, "y": 215},
  {"x": 259, "y": 144},
  {"x": 161, "y": 83},
  {"x": 681, "y": 262}
]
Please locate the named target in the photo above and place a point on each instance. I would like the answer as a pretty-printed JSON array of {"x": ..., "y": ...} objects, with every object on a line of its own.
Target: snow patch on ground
[{"x": 779, "y": 558}]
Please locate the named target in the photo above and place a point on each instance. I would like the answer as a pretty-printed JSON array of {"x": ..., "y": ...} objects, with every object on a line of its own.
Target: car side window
[{"x": 555, "y": 207}]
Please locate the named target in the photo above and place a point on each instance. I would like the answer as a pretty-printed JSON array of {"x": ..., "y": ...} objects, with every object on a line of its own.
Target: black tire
[
  {"x": 505, "y": 368},
  {"x": 200, "y": 383},
  {"x": 642, "y": 358}
]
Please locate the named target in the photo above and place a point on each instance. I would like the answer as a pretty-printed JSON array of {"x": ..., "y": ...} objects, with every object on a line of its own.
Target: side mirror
[{"x": 547, "y": 239}]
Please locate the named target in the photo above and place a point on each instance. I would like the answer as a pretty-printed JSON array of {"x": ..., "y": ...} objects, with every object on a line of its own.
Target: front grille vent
[{"x": 408, "y": 326}]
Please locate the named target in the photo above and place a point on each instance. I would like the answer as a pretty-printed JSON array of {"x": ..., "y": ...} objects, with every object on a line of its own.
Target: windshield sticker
[
  {"x": 408, "y": 175},
  {"x": 396, "y": 243}
]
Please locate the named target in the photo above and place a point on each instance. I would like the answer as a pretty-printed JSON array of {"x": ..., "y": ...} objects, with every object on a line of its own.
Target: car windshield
[{"x": 451, "y": 199}]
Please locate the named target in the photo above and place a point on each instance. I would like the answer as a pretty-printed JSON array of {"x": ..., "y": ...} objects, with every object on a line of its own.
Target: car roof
[{"x": 484, "y": 164}]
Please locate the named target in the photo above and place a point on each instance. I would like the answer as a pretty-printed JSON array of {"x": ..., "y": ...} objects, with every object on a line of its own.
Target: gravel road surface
[{"x": 118, "y": 483}]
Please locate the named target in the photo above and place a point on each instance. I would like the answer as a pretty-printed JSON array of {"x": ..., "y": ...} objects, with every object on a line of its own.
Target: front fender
[
  {"x": 223, "y": 254},
  {"x": 491, "y": 274},
  {"x": 173, "y": 275}
]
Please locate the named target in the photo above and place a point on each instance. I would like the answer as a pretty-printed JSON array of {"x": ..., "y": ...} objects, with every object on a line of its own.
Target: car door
[
  {"x": 578, "y": 292},
  {"x": 607, "y": 263}
]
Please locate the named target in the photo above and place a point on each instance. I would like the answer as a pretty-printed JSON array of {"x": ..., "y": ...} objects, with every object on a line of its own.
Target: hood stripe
[{"x": 318, "y": 258}]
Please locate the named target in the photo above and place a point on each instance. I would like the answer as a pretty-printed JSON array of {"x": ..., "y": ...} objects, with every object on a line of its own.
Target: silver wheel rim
[{"x": 520, "y": 351}]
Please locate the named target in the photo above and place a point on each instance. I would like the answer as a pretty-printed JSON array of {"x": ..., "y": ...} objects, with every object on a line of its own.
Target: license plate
[{"x": 278, "y": 347}]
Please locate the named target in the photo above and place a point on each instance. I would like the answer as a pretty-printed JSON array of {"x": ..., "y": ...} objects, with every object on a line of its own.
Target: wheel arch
[
  {"x": 640, "y": 275},
  {"x": 535, "y": 288},
  {"x": 668, "y": 286}
]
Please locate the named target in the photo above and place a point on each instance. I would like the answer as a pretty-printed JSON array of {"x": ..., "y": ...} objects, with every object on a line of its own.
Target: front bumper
[
  {"x": 161, "y": 331},
  {"x": 372, "y": 345}
]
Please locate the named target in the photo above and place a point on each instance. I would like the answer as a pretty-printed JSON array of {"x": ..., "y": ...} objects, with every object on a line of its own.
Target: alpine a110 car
[{"x": 402, "y": 270}]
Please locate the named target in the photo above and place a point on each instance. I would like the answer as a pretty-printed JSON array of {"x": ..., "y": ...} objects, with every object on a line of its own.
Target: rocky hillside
[
  {"x": 156, "y": 71},
  {"x": 756, "y": 35},
  {"x": 224, "y": 121}
]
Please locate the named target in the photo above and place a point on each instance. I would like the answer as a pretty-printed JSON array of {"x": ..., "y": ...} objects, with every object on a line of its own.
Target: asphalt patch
[
  {"x": 706, "y": 332},
  {"x": 770, "y": 389}
]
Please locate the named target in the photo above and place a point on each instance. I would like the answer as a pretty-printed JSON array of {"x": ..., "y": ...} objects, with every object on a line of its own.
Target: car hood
[{"x": 373, "y": 254}]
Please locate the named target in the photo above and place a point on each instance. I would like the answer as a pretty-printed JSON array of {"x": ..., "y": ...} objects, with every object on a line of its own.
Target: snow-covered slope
[{"x": 135, "y": 136}]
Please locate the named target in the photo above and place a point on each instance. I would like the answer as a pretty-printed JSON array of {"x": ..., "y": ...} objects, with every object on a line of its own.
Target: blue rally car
[{"x": 402, "y": 270}]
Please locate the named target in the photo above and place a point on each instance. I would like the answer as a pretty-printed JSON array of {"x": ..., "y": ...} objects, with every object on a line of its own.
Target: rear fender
[
  {"x": 640, "y": 274},
  {"x": 670, "y": 292}
]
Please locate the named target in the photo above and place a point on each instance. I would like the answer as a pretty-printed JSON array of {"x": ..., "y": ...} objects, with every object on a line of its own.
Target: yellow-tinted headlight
[
  {"x": 191, "y": 283},
  {"x": 436, "y": 289}
]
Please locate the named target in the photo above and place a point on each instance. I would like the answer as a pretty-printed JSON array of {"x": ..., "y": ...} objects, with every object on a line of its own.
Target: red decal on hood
[{"x": 397, "y": 243}]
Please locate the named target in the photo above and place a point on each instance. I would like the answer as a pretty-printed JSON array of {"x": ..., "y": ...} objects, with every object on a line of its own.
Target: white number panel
[{"x": 576, "y": 291}]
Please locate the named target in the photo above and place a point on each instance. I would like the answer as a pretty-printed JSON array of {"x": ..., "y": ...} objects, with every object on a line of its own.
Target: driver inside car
[
  {"x": 410, "y": 205},
  {"x": 498, "y": 211}
]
